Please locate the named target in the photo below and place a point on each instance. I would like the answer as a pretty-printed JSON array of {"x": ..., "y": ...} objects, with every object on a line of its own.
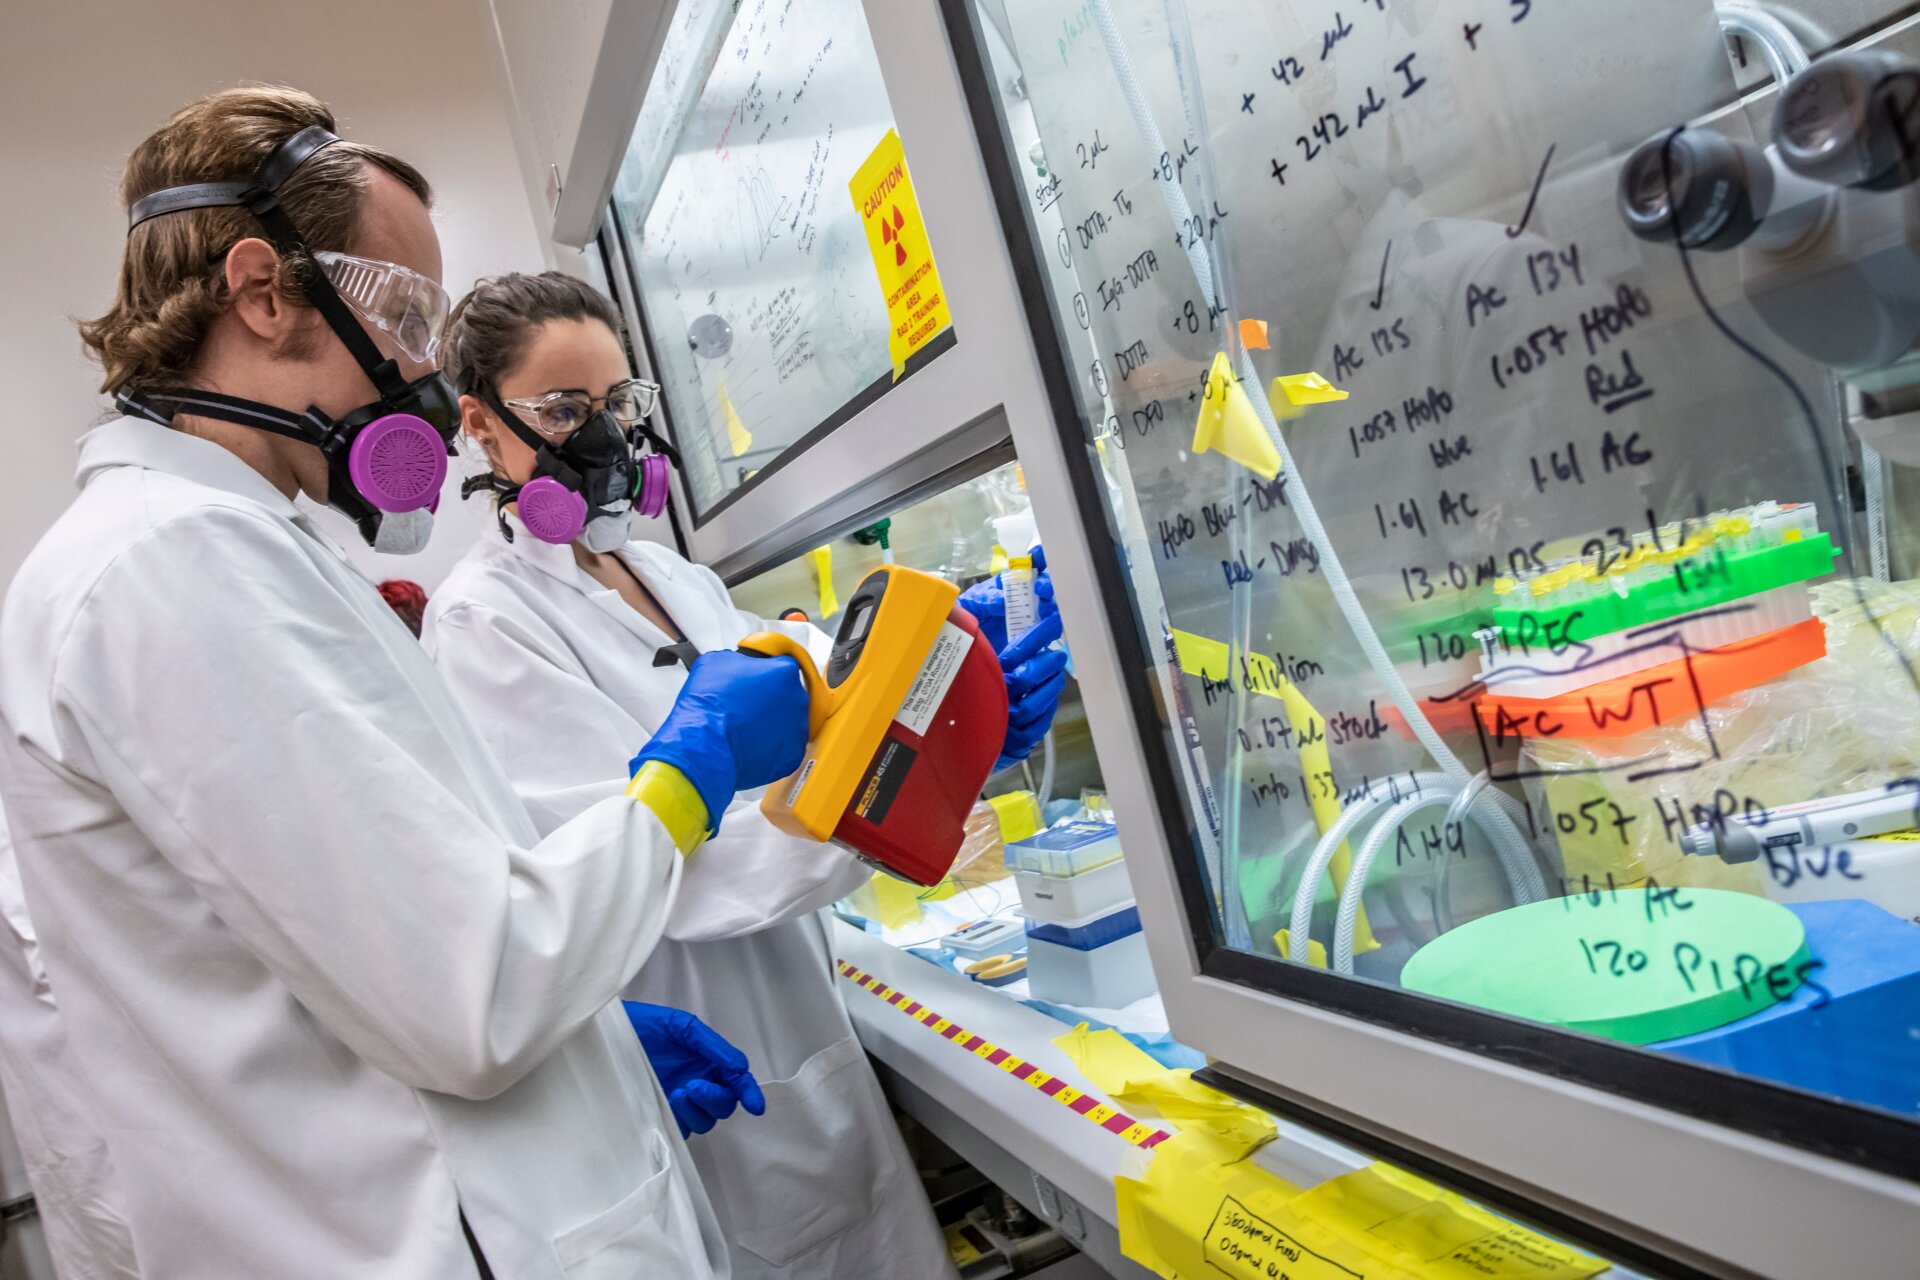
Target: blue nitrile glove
[
  {"x": 1036, "y": 673},
  {"x": 704, "y": 1077},
  {"x": 987, "y": 601},
  {"x": 740, "y": 722}
]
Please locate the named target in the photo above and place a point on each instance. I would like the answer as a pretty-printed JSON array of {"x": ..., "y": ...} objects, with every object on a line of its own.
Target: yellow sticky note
[
  {"x": 1019, "y": 814},
  {"x": 1253, "y": 335},
  {"x": 883, "y": 192},
  {"x": 823, "y": 571},
  {"x": 1202, "y": 1211},
  {"x": 1202, "y": 656},
  {"x": 1307, "y": 388},
  {"x": 739, "y": 439},
  {"x": 1228, "y": 424},
  {"x": 1433, "y": 1232},
  {"x": 1316, "y": 949}
]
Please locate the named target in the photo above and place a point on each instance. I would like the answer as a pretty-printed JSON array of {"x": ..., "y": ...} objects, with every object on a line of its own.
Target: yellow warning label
[{"x": 902, "y": 256}]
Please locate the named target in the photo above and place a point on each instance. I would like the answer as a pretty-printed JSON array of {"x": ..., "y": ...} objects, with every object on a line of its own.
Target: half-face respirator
[
  {"x": 387, "y": 459},
  {"x": 583, "y": 487}
]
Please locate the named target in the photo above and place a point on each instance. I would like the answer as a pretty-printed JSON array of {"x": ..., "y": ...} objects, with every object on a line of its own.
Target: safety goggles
[
  {"x": 403, "y": 304},
  {"x": 558, "y": 414}
]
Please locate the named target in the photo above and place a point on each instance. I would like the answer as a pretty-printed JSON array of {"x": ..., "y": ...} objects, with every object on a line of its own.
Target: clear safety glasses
[
  {"x": 403, "y": 304},
  {"x": 558, "y": 414}
]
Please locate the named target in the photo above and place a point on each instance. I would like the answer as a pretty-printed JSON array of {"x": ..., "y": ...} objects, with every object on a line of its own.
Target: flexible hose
[
  {"x": 1504, "y": 835},
  {"x": 1459, "y": 813},
  {"x": 1873, "y": 470},
  {"x": 1785, "y": 55},
  {"x": 1301, "y": 922},
  {"x": 1046, "y": 773},
  {"x": 1350, "y": 894}
]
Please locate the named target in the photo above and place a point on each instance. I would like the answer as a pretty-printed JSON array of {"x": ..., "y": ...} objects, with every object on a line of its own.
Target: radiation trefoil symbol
[{"x": 890, "y": 234}]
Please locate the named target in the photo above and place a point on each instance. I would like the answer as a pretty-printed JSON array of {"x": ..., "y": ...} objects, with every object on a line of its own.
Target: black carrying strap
[{"x": 261, "y": 198}]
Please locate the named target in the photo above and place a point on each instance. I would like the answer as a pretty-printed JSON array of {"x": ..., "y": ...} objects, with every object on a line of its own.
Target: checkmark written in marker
[
  {"x": 1533, "y": 197},
  {"x": 1380, "y": 294}
]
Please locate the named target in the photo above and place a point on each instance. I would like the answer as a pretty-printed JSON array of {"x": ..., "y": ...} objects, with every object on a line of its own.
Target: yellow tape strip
[{"x": 1118, "y": 1123}]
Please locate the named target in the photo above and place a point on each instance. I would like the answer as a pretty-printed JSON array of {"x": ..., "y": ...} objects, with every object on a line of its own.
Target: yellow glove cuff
[{"x": 666, "y": 791}]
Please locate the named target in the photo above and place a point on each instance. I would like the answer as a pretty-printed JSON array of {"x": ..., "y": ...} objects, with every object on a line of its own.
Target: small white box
[
  {"x": 1107, "y": 977},
  {"x": 1073, "y": 900}
]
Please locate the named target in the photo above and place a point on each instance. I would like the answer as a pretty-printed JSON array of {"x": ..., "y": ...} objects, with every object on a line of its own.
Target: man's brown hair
[{"x": 172, "y": 275}]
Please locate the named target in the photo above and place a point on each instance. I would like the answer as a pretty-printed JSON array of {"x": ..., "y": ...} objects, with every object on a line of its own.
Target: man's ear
[{"x": 252, "y": 268}]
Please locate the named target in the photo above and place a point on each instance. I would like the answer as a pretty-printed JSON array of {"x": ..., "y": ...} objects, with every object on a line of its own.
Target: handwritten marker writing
[{"x": 1833, "y": 820}]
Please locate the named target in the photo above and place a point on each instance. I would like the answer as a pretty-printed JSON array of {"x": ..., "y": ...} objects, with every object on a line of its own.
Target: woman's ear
[{"x": 478, "y": 422}]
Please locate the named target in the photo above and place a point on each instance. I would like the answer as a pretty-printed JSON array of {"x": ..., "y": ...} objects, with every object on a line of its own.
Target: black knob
[
  {"x": 1700, "y": 187},
  {"x": 1853, "y": 119}
]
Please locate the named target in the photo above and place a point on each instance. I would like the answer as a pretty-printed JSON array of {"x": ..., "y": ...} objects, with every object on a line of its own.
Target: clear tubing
[
  {"x": 1456, "y": 814},
  {"x": 1342, "y": 958},
  {"x": 1458, "y": 811},
  {"x": 1046, "y": 773},
  {"x": 1507, "y": 841},
  {"x": 1873, "y": 470},
  {"x": 1301, "y": 922},
  {"x": 1784, "y": 53}
]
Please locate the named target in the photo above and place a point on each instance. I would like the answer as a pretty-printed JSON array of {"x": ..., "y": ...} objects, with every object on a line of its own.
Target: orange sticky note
[{"x": 1253, "y": 335}]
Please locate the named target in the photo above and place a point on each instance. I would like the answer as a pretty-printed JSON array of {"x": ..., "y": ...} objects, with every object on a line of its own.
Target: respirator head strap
[
  {"x": 160, "y": 406},
  {"x": 507, "y": 491},
  {"x": 261, "y": 197}
]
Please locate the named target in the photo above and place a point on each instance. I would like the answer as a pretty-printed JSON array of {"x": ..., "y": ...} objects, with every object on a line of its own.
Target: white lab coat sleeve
[
  {"x": 298, "y": 802},
  {"x": 752, "y": 875},
  {"x": 566, "y": 745},
  {"x": 564, "y": 742}
]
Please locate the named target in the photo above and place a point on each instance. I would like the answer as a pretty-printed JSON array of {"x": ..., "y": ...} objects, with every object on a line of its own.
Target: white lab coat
[
  {"x": 47, "y": 1100},
  {"x": 332, "y": 989},
  {"x": 557, "y": 672}
]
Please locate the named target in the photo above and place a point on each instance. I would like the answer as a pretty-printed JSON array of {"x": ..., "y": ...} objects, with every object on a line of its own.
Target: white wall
[{"x": 82, "y": 81}]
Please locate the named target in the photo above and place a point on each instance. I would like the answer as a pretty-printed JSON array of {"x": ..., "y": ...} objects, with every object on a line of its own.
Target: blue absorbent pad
[{"x": 1851, "y": 1030}]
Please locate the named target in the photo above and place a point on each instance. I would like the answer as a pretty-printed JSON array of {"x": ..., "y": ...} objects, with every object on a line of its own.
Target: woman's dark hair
[{"x": 488, "y": 331}]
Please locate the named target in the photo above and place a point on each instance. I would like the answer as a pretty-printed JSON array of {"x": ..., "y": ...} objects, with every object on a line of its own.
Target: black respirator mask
[
  {"x": 386, "y": 460},
  {"x": 585, "y": 487}
]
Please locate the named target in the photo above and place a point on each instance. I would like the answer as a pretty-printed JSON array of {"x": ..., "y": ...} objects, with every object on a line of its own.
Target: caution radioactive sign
[{"x": 909, "y": 281}]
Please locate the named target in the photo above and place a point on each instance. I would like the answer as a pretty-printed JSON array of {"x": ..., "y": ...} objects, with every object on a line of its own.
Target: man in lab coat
[
  {"x": 344, "y": 1011},
  {"x": 557, "y": 670},
  {"x": 74, "y": 1189}
]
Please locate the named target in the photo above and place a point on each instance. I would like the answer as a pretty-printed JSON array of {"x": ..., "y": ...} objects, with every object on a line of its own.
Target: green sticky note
[{"x": 1638, "y": 965}]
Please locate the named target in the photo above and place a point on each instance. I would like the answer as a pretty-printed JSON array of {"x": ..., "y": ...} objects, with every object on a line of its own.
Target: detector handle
[{"x": 777, "y": 644}]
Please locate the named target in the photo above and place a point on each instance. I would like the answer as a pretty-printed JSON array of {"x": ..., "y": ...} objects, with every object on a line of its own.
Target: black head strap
[
  {"x": 261, "y": 198},
  {"x": 504, "y": 491},
  {"x": 311, "y": 427},
  {"x": 515, "y": 423},
  {"x": 274, "y": 173}
]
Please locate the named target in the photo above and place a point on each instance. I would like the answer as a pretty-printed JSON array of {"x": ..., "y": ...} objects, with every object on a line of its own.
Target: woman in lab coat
[{"x": 551, "y": 648}]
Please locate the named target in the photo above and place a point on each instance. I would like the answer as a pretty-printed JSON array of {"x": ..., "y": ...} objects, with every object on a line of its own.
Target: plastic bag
[{"x": 1846, "y": 722}]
